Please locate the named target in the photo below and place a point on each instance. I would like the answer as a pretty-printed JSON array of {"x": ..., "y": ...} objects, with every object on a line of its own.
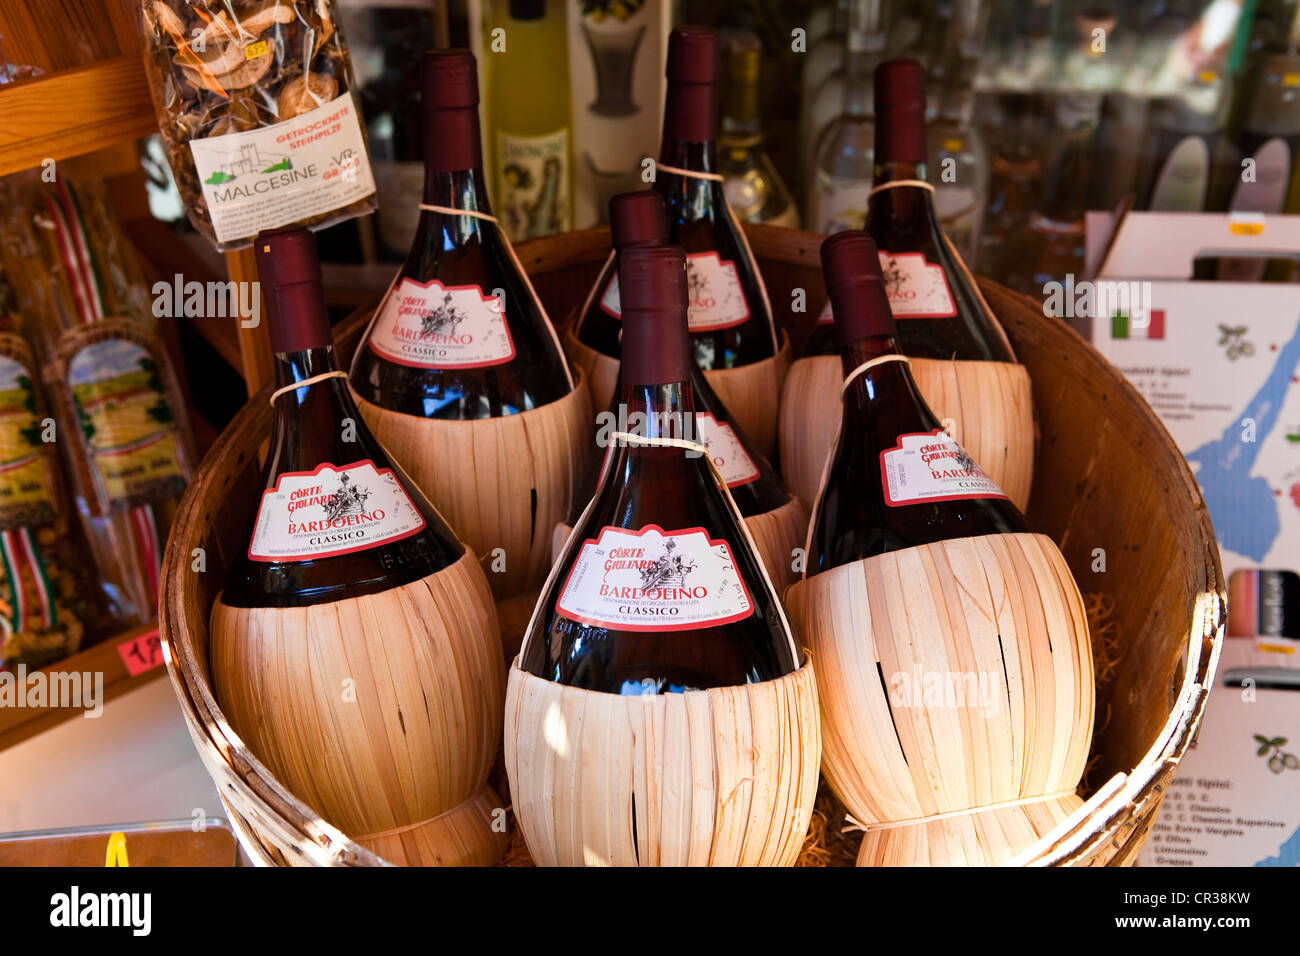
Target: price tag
[
  {"x": 254, "y": 50},
  {"x": 142, "y": 653}
]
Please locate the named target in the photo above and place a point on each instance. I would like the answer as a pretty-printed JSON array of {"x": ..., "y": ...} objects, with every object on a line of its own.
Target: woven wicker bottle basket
[{"x": 1107, "y": 476}]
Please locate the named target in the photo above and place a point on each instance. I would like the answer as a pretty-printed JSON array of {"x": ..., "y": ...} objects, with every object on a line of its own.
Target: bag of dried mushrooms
[{"x": 255, "y": 106}]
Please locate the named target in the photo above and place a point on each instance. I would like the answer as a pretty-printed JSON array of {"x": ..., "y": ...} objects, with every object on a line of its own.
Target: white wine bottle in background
[
  {"x": 754, "y": 188},
  {"x": 842, "y": 161},
  {"x": 527, "y": 64},
  {"x": 959, "y": 159},
  {"x": 865, "y": 43}
]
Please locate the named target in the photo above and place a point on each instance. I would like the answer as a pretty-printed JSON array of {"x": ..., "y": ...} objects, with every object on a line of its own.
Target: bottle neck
[
  {"x": 887, "y": 382},
  {"x": 690, "y": 118},
  {"x": 659, "y": 411},
  {"x": 453, "y": 166},
  {"x": 292, "y": 367},
  {"x": 858, "y": 67},
  {"x": 908, "y": 206},
  {"x": 699, "y": 157}
]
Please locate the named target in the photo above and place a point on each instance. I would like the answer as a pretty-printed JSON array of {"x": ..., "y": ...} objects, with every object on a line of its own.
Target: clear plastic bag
[{"x": 256, "y": 108}]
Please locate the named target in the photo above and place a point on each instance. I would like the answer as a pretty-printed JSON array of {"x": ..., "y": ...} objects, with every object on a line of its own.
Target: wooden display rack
[{"x": 97, "y": 111}]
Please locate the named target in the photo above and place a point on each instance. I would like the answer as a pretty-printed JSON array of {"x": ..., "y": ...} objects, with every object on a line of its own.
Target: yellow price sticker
[
  {"x": 257, "y": 49},
  {"x": 1291, "y": 79},
  {"x": 1246, "y": 228}
]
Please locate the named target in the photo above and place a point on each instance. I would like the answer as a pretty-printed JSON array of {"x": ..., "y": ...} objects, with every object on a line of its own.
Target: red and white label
[
  {"x": 430, "y": 325},
  {"x": 716, "y": 299},
  {"x": 331, "y": 511},
  {"x": 827, "y": 316},
  {"x": 930, "y": 466},
  {"x": 654, "y": 580},
  {"x": 917, "y": 289},
  {"x": 736, "y": 467}
]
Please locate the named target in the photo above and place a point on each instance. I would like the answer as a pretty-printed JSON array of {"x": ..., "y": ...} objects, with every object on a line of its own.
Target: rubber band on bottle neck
[
  {"x": 645, "y": 440},
  {"x": 690, "y": 173},
  {"x": 870, "y": 364},
  {"x": 898, "y": 184},
  {"x": 305, "y": 382},
  {"x": 452, "y": 211},
  {"x": 853, "y": 824}
]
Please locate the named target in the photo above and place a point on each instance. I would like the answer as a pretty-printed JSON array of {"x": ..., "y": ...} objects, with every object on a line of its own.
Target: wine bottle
[
  {"x": 875, "y": 498},
  {"x": 841, "y": 145},
  {"x": 344, "y": 546},
  {"x": 754, "y": 189},
  {"x": 924, "y": 277},
  {"x": 460, "y": 334},
  {"x": 662, "y": 502},
  {"x": 916, "y": 555},
  {"x": 532, "y": 147},
  {"x": 659, "y": 607},
  {"x": 730, "y": 317},
  {"x": 775, "y": 519},
  {"x": 460, "y": 356},
  {"x": 962, "y": 359}
]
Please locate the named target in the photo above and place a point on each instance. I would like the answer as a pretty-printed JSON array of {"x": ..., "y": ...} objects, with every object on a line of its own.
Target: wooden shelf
[
  {"x": 127, "y": 661},
  {"x": 73, "y": 112}
]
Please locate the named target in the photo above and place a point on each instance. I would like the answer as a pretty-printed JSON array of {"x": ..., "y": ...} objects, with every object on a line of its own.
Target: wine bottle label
[
  {"x": 917, "y": 288},
  {"x": 716, "y": 297},
  {"x": 280, "y": 174},
  {"x": 25, "y": 462},
  {"x": 430, "y": 325},
  {"x": 533, "y": 184},
  {"x": 728, "y": 454},
  {"x": 654, "y": 580},
  {"x": 330, "y": 511},
  {"x": 930, "y": 466}
]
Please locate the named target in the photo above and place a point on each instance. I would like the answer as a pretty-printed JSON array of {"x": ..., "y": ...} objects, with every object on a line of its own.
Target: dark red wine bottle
[
  {"x": 337, "y": 518},
  {"x": 659, "y": 591},
  {"x": 638, "y": 218},
  {"x": 730, "y": 319},
  {"x": 896, "y": 479},
  {"x": 940, "y": 314},
  {"x": 460, "y": 334}
]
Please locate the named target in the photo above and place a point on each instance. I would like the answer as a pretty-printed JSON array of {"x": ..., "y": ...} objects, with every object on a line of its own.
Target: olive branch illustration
[{"x": 1278, "y": 759}]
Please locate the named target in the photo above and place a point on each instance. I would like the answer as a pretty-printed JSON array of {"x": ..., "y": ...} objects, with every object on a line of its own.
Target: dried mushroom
[{"x": 304, "y": 93}]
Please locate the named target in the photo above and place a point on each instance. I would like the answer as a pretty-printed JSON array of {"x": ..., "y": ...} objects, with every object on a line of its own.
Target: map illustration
[{"x": 1243, "y": 506}]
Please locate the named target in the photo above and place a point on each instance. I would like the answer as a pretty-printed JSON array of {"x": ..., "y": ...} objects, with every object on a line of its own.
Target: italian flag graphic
[{"x": 1122, "y": 326}]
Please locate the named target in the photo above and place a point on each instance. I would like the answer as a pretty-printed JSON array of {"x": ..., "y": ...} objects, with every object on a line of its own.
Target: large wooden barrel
[{"x": 1107, "y": 476}]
